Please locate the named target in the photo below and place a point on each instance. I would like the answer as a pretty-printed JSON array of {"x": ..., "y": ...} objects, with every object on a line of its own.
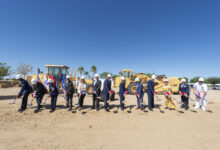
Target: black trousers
[
  {"x": 39, "y": 100},
  {"x": 53, "y": 102},
  {"x": 122, "y": 98},
  {"x": 24, "y": 101},
  {"x": 95, "y": 101},
  {"x": 150, "y": 100},
  {"x": 106, "y": 97},
  {"x": 69, "y": 101},
  {"x": 185, "y": 100},
  {"x": 81, "y": 100}
]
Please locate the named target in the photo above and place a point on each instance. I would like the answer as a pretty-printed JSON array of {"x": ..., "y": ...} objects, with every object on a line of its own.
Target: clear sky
[{"x": 172, "y": 37}]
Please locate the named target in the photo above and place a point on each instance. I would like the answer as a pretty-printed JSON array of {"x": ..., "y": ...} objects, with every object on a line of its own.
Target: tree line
[{"x": 25, "y": 69}]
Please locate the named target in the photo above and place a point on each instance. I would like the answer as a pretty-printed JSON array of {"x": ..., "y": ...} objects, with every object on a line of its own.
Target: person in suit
[
  {"x": 53, "y": 93},
  {"x": 139, "y": 94},
  {"x": 184, "y": 92},
  {"x": 25, "y": 91},
  {"x": 96, "y": 92},
  {"x": 81, "y": 89},
  {"x": 69, "y": 91},
  {"x": 122, "y": 92},
  {"x": 150, "y": 92},
  {"x": 106, "y": 91},
  {"x": 40, "y": 90}
]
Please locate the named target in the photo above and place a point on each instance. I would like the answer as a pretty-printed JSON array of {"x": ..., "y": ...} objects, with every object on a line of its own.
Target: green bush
[{"x": 213, "y": 80}]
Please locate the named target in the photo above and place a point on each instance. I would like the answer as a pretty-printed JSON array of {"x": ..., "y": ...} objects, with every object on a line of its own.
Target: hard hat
[
  {"x": 153, "y": 77},
  {"x": 109, "y": 75},
  {"x": 96, "y": 75},
  {"x": 137, "y": 79},
  {"x": 82, "y": 78},
  {"x": 50, "y": 81},
  {"x": 201, "y": 79},
  {"x": 166, "y": 80},
  {"x": 122, "y": 78},
  {"x": 183, "y": 80},
  {"x": 18, "y": 76},
  {"x": 33, "y": 81},
  {"x": 68, "y": 77}
]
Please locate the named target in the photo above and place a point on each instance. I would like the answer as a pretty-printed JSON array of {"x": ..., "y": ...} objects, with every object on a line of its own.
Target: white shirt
[
  {"x": 81, "y": 87},
  {"x": 201, "y": 88},
  {"x": 95, "y": 82}
]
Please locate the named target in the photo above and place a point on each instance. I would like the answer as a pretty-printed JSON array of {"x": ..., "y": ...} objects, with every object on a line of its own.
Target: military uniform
[
  {"x": 184, "y": 88},
  {"x": 200, "y": 90}
]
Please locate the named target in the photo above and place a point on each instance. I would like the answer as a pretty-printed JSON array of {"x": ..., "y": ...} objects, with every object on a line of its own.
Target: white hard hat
[
  {"x": 33, "y": 81},
  {"x": 68, "y": 77},
  {"x": 166, "y": 80},
  {"x": 137, "y": 79},
  {"x": 183, "y": 80},
  {"x": 82, "y": 78},
  {"x": 153, "y": 77},
  {"x": 96, "y": 75},
  {"x": 18, "y": 76},
  {"x": 122, "y": 78},
  {"x": 50, "y": 81},
  {"x": 201, "y": 79},
  {"x": 109, "y": 75}
]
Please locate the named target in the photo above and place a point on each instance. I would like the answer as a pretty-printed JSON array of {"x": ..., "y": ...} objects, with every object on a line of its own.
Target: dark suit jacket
[
  {"x": 184, "y": 88},
  {"x": 40, "y": 89},
  {"x": 139, "y": 89},
  {"x": 150, "y": 86},
  {"x": 97, "y": 87},
  {"x": 107, "y": 86},
  {"x": 26, "y": 89},
  {"x": 69, "y": 88},
  {"x": 122, "y": 89},
  {"x": 53, "y": 90}
]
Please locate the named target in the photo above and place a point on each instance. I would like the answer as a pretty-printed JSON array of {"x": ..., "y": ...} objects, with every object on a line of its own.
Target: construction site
[
  {"x": 109, "y": 75},
  {"x": 120, "y": 127}
]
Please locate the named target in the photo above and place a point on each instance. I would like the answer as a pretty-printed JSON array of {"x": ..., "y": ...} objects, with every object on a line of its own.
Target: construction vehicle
[
  {"x": 131, "y": 86},
  {"x": 57, "y": 71}
]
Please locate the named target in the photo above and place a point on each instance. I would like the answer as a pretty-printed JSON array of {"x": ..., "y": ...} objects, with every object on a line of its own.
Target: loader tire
[
  {"x": 132, "y": 88},
  {"x": 89, "y": 89}
]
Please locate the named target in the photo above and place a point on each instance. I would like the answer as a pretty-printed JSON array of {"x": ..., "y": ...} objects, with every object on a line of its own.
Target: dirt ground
[{"x": 128, "y": 130}]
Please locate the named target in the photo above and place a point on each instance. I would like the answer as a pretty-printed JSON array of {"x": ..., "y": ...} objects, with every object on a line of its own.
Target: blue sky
[{"x": 172, "y": 37}]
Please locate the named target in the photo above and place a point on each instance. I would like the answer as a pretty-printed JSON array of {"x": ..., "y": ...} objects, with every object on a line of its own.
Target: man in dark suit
[
  {"x": 106, "y": 91},
  {"x": 184, "y": 92},
  {"x": 25, "y": 91},
  {"x": 53, "y": 93},
  {"x": 150, "y": 92},
  {"x": 39, "y": 94},
  {"x": 96, "y": 92},
  {"x": 69, "y": 91},
  {"x": 122, "y": 92}
]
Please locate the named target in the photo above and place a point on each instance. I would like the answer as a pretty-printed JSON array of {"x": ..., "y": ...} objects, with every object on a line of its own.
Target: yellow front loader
[{"x": 131, "y": 86}]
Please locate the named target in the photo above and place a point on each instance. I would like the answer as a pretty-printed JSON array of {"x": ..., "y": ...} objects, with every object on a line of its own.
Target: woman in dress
[{"x": 169, "y": 103}]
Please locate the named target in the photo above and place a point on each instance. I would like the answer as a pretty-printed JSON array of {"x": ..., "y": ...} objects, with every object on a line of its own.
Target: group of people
[{"x": 199, "y": 90}]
